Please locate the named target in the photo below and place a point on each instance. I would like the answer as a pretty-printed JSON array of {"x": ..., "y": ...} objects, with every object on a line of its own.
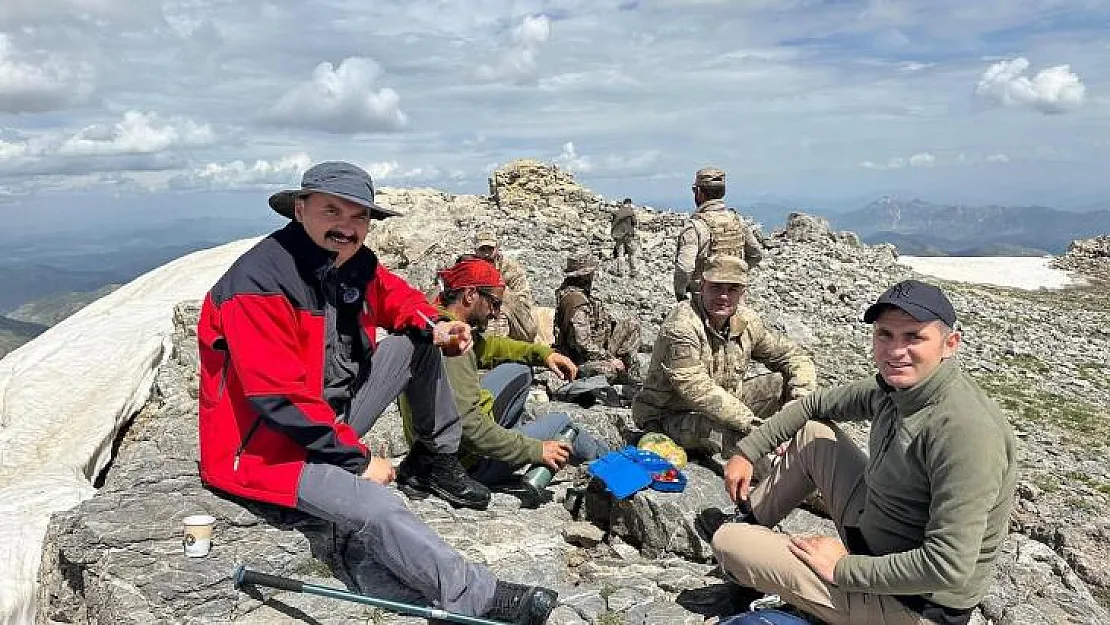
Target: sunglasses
[{"x": 494, "y": 301}]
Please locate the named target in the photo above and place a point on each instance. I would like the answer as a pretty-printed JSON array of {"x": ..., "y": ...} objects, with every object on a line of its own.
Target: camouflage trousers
[
  {"x": 628, "y": 247},
  {"x": 763, "y": 394},
  {"x": 515, "y": 320},
  {"x": 623, "y": 343}
]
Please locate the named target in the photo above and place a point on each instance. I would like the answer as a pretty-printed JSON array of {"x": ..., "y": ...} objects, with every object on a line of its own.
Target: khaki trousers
[
  {"x": 820, "y": 457},
  {"x": 763, "y": 394}
]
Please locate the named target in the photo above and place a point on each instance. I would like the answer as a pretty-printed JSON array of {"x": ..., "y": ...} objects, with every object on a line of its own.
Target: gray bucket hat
[{"x": 343, "y": 180}]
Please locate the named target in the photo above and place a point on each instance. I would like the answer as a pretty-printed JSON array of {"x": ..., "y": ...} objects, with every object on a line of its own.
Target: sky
[{"x": 146, "y": 109}]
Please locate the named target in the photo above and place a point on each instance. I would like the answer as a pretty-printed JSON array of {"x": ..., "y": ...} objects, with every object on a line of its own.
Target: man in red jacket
[{"x": 293, "y": 375}]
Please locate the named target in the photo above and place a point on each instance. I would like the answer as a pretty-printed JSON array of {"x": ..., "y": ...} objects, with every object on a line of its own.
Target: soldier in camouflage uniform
[
  {"x": 515, "y": 319},
  {"x": 623, "y": 231},
  {"x": 695, "y": 391},
  {"x": 714, "y": 229},
  {"x": 585, "y": 332}
]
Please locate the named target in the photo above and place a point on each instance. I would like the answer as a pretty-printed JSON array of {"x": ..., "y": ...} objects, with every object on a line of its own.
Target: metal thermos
[{"x": 538, "y": 477}]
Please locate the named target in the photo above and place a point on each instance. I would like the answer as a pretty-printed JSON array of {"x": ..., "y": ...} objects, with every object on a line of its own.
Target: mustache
[{"x": 336, "y": 235}]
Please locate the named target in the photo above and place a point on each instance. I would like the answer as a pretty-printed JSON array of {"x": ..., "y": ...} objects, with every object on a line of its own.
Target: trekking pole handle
[{"x": 245, "y": 576}]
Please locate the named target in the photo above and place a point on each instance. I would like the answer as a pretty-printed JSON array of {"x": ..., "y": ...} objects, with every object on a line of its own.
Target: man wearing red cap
[{"x": 494, "y": 439}]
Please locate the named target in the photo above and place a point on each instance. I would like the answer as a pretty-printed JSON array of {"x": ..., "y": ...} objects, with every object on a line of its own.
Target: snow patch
[{"x": 1018, "y": 272}]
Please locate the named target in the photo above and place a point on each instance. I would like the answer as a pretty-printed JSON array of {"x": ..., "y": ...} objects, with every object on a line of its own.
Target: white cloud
[
  {"x": 137, "y": 133},
  {"x": 1053, "y": 90},
  {"x": 239, "y": 174},
  {"x": 518, "y": 64},
  {"x": 341, "y": 100},
  {"x": 48, "y": 84},
  {"x": 571, "y": 161},
  {"x": 925, "y": 159},
  {"x": 998, "y": 158}
]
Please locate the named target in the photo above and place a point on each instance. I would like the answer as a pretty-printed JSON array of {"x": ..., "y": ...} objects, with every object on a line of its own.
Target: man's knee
[{"x": 735, "y": 547}]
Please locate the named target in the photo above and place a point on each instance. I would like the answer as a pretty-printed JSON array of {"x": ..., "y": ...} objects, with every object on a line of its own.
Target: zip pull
[{"x": 235, "y": 463}]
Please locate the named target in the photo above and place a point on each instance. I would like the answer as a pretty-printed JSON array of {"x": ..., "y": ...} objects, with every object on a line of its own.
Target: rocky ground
[{"x": 1044, "y": 356}]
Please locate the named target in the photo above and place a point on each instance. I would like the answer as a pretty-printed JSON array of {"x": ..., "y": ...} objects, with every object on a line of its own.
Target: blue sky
[{"x": 179, "y": 105}]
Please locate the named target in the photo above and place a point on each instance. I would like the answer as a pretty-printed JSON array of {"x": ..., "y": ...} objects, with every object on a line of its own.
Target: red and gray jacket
[{"x": 264, "y": 335}]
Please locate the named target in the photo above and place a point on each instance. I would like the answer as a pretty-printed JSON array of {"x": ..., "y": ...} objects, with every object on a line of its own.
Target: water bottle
[{"x": 538, "y": 477}]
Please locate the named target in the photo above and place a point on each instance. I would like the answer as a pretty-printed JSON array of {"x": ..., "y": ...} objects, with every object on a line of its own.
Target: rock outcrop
[
  {"x": 1090, "y": 257},
  {"x": 1044, "y": 356}
]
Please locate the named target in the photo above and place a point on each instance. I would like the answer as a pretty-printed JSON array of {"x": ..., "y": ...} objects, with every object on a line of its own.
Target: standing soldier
[
  {"x": 714, "y": 229},
  {"x": 623, "y": 232},
  {"x": 515, "y": 319},
  {"x": 586, "y": 333}
]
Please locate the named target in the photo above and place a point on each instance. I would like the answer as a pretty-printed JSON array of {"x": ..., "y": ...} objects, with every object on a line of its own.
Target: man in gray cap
[
  {"x": 293, "y": 375},
  {"x": 695, "y": 390},
  {"x": 920, "y": 518},
  {"x": 587, "y": 333},
  {"x": 515, "y": 319},
  {"x": 714, "y": 229}
]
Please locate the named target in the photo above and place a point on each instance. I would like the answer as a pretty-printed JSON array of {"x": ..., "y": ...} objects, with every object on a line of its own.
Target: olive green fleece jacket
[
  {"x": 940, "y": 482},
  {"x": 482, "y": 437}
]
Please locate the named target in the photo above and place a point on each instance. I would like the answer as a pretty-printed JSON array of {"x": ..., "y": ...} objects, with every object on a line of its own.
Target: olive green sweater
[
  {"x": 482, "y": 436},
  {"x": 940, "y": 482}
]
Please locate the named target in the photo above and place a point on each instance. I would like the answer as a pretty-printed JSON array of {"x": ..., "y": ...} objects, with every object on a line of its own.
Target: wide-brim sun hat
[{"x": 342, "y": 180}]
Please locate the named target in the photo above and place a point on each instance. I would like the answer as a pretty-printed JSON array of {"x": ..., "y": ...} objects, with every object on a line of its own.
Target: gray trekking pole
[{"x": 244, "y": 576}]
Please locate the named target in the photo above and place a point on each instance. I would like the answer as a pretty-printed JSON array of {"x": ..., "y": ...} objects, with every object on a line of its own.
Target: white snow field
[
  {"x": 1019, "y": 272},
  {"x": 64, "y": 397}
]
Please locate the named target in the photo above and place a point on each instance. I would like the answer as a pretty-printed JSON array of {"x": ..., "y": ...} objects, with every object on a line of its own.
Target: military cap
[
  {"x": 580, "y": 265},
  {"x": 485, "y": 238},
  {"x": 709, "y": 177},
  {"x": 724, "y": 269}
]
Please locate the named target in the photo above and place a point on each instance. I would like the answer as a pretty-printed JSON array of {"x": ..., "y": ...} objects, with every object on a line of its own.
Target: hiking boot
[
  {"x": 440, "y": 474},
  {"x": 520, "y": 604}
]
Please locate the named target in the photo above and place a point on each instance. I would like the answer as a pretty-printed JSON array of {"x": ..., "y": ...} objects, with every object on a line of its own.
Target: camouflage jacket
[
  {"x": 695, "y": 243},
  {"x": 624, "y": 223},
  {"x": 696, "y": 369},
  {"x": 582, "y": 326},
  {"x": 516, "y": 320}
]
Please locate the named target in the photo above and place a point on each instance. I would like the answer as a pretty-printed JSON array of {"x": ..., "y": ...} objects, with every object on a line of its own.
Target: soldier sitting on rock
[
  {"x": 584, "y": 330},
  {"x": 515, "y": 319},
  {"x": 695, "y": 391},
  {"x": 921, "y": 516},
  {"x": 495, "y": 440}
]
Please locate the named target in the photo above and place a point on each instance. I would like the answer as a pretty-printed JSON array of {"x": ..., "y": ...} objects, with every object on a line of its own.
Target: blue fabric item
[
  {"x": 764, "y": 617},
  {"x": 629, "y": 470}
]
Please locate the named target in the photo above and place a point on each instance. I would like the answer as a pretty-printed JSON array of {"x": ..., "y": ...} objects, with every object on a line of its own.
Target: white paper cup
[{"x": 198, "y": 535}]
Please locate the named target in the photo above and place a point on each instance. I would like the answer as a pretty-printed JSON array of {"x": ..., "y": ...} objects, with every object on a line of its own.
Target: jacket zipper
[{"x": 246, "y": 439}]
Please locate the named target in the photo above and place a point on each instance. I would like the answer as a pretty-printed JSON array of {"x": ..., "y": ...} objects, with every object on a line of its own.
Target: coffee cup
[{"x": 198, "y": 535}]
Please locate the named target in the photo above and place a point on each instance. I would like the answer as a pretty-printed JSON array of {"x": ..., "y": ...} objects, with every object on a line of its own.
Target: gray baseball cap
[{"x": 343, "y": 180}]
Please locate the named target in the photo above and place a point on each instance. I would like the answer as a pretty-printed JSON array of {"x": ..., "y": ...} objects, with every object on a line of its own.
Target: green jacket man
[
  {"x": 495, "y": 438},
  {"x": 920, "y": 518}
]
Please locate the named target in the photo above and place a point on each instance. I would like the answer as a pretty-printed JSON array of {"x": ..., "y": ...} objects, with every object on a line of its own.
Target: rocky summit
[{"x": 1043, "y": 355}]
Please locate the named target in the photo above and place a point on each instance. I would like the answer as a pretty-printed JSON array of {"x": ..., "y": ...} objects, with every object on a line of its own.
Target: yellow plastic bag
[{"x": 665, "y": 447}]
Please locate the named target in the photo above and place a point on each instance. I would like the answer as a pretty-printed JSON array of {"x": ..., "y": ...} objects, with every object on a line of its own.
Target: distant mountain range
[
  {"x": 921, "y": 228},
  {"x": 15, "y": 333}
]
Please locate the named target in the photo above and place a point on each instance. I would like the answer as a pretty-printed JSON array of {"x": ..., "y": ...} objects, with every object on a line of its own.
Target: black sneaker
[
  {"x": 521, "y": 605},
  {"x": 441, "y": 475}
]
